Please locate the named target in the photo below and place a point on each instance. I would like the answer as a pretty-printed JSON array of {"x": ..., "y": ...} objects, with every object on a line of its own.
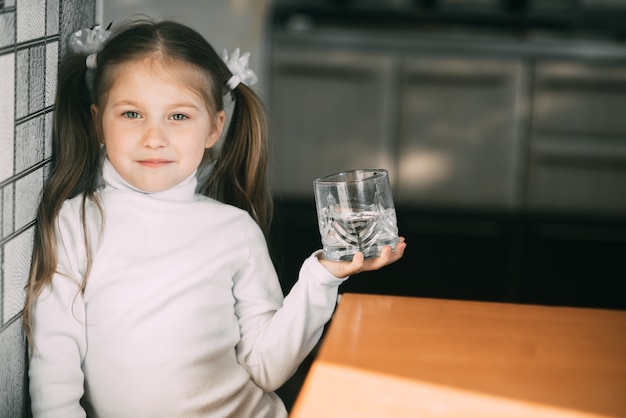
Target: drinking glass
[{"x": 355, "y": 212}]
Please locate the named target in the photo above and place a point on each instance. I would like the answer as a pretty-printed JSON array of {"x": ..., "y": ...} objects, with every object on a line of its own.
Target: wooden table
[{"x": 388, "y": 356}]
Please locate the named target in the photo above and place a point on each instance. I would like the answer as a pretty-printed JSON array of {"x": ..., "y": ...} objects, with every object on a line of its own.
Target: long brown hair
[{"x": 238, "y": 173}]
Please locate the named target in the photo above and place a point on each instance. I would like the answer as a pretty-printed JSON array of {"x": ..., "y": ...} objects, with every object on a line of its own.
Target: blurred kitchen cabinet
[
  {"x": 459, "y": 131},
  {"x": 329, "y": 114},
  {"x": 577, "y": 159},
  {"x": 580, "y": 98}
]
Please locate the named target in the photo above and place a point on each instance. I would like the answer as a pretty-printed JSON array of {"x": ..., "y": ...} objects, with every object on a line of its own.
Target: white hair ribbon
[
  {"x": 89, "y": 41},
  {"x": 238, "y": 65}
]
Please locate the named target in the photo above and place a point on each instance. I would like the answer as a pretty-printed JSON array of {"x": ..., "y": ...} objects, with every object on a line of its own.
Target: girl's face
[{"x": 154, "y": 127}]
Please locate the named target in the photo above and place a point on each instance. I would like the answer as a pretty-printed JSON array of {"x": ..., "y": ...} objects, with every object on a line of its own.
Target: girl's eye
[
  {"x": 131, "y": 114},
  {"x": 179, "y": 116}
]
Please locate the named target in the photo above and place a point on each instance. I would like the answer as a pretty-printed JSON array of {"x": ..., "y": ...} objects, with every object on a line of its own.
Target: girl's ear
[{"x": 216, "y": 132}]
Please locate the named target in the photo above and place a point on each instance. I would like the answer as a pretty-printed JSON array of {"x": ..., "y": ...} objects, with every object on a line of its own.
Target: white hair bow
[
  {"x": 238, "y": 65},
  {"x": 89, "y": 42}
]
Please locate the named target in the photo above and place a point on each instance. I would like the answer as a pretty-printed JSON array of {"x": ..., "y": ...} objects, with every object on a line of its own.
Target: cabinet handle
[
  {"x": 590, "y": 159},
  {"x": 583, "y": 85},
  {"x": 315, "y": 71},
  {"x": 460, "y": 80}
]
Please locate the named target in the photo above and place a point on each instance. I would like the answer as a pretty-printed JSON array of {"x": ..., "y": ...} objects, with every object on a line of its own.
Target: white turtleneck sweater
[{"x": 182, "y": 314}]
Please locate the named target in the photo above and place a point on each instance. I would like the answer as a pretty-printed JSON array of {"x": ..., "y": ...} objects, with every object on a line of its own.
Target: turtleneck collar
[{"x": 184, "y": 190}]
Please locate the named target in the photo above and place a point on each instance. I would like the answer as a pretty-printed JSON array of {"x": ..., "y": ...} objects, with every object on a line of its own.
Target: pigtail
[
  {"x": 239, "y": 174},
  {"x": 76, "y": 152},
  {"x": 74, "y": 170}
]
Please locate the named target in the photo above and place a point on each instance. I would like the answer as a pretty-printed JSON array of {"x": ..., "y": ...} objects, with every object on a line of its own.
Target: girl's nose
[{"x": 155, "y": 136}]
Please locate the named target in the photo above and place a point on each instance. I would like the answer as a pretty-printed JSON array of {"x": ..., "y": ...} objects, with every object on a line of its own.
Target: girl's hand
[{"x": 358, "y": 264}]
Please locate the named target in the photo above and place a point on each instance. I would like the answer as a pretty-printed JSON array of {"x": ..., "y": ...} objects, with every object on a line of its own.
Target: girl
[{"x": 147, "y": 299}]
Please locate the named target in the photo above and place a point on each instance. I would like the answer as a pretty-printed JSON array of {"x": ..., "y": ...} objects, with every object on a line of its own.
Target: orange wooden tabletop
[{"x": 390, "y": 356}]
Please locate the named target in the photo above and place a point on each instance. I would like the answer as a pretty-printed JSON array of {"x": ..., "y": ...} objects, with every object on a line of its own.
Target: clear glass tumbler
[{"x": 355, "y": 212}]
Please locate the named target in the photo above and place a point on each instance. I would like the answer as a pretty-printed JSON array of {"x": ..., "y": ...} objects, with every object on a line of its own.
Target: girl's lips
[{"x": 154, "y": 163}]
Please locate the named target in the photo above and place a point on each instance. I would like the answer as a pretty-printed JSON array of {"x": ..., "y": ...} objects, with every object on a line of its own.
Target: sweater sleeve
[
  {"x": 277, "y": 334},
  {"x": 55, "y": 374}
]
